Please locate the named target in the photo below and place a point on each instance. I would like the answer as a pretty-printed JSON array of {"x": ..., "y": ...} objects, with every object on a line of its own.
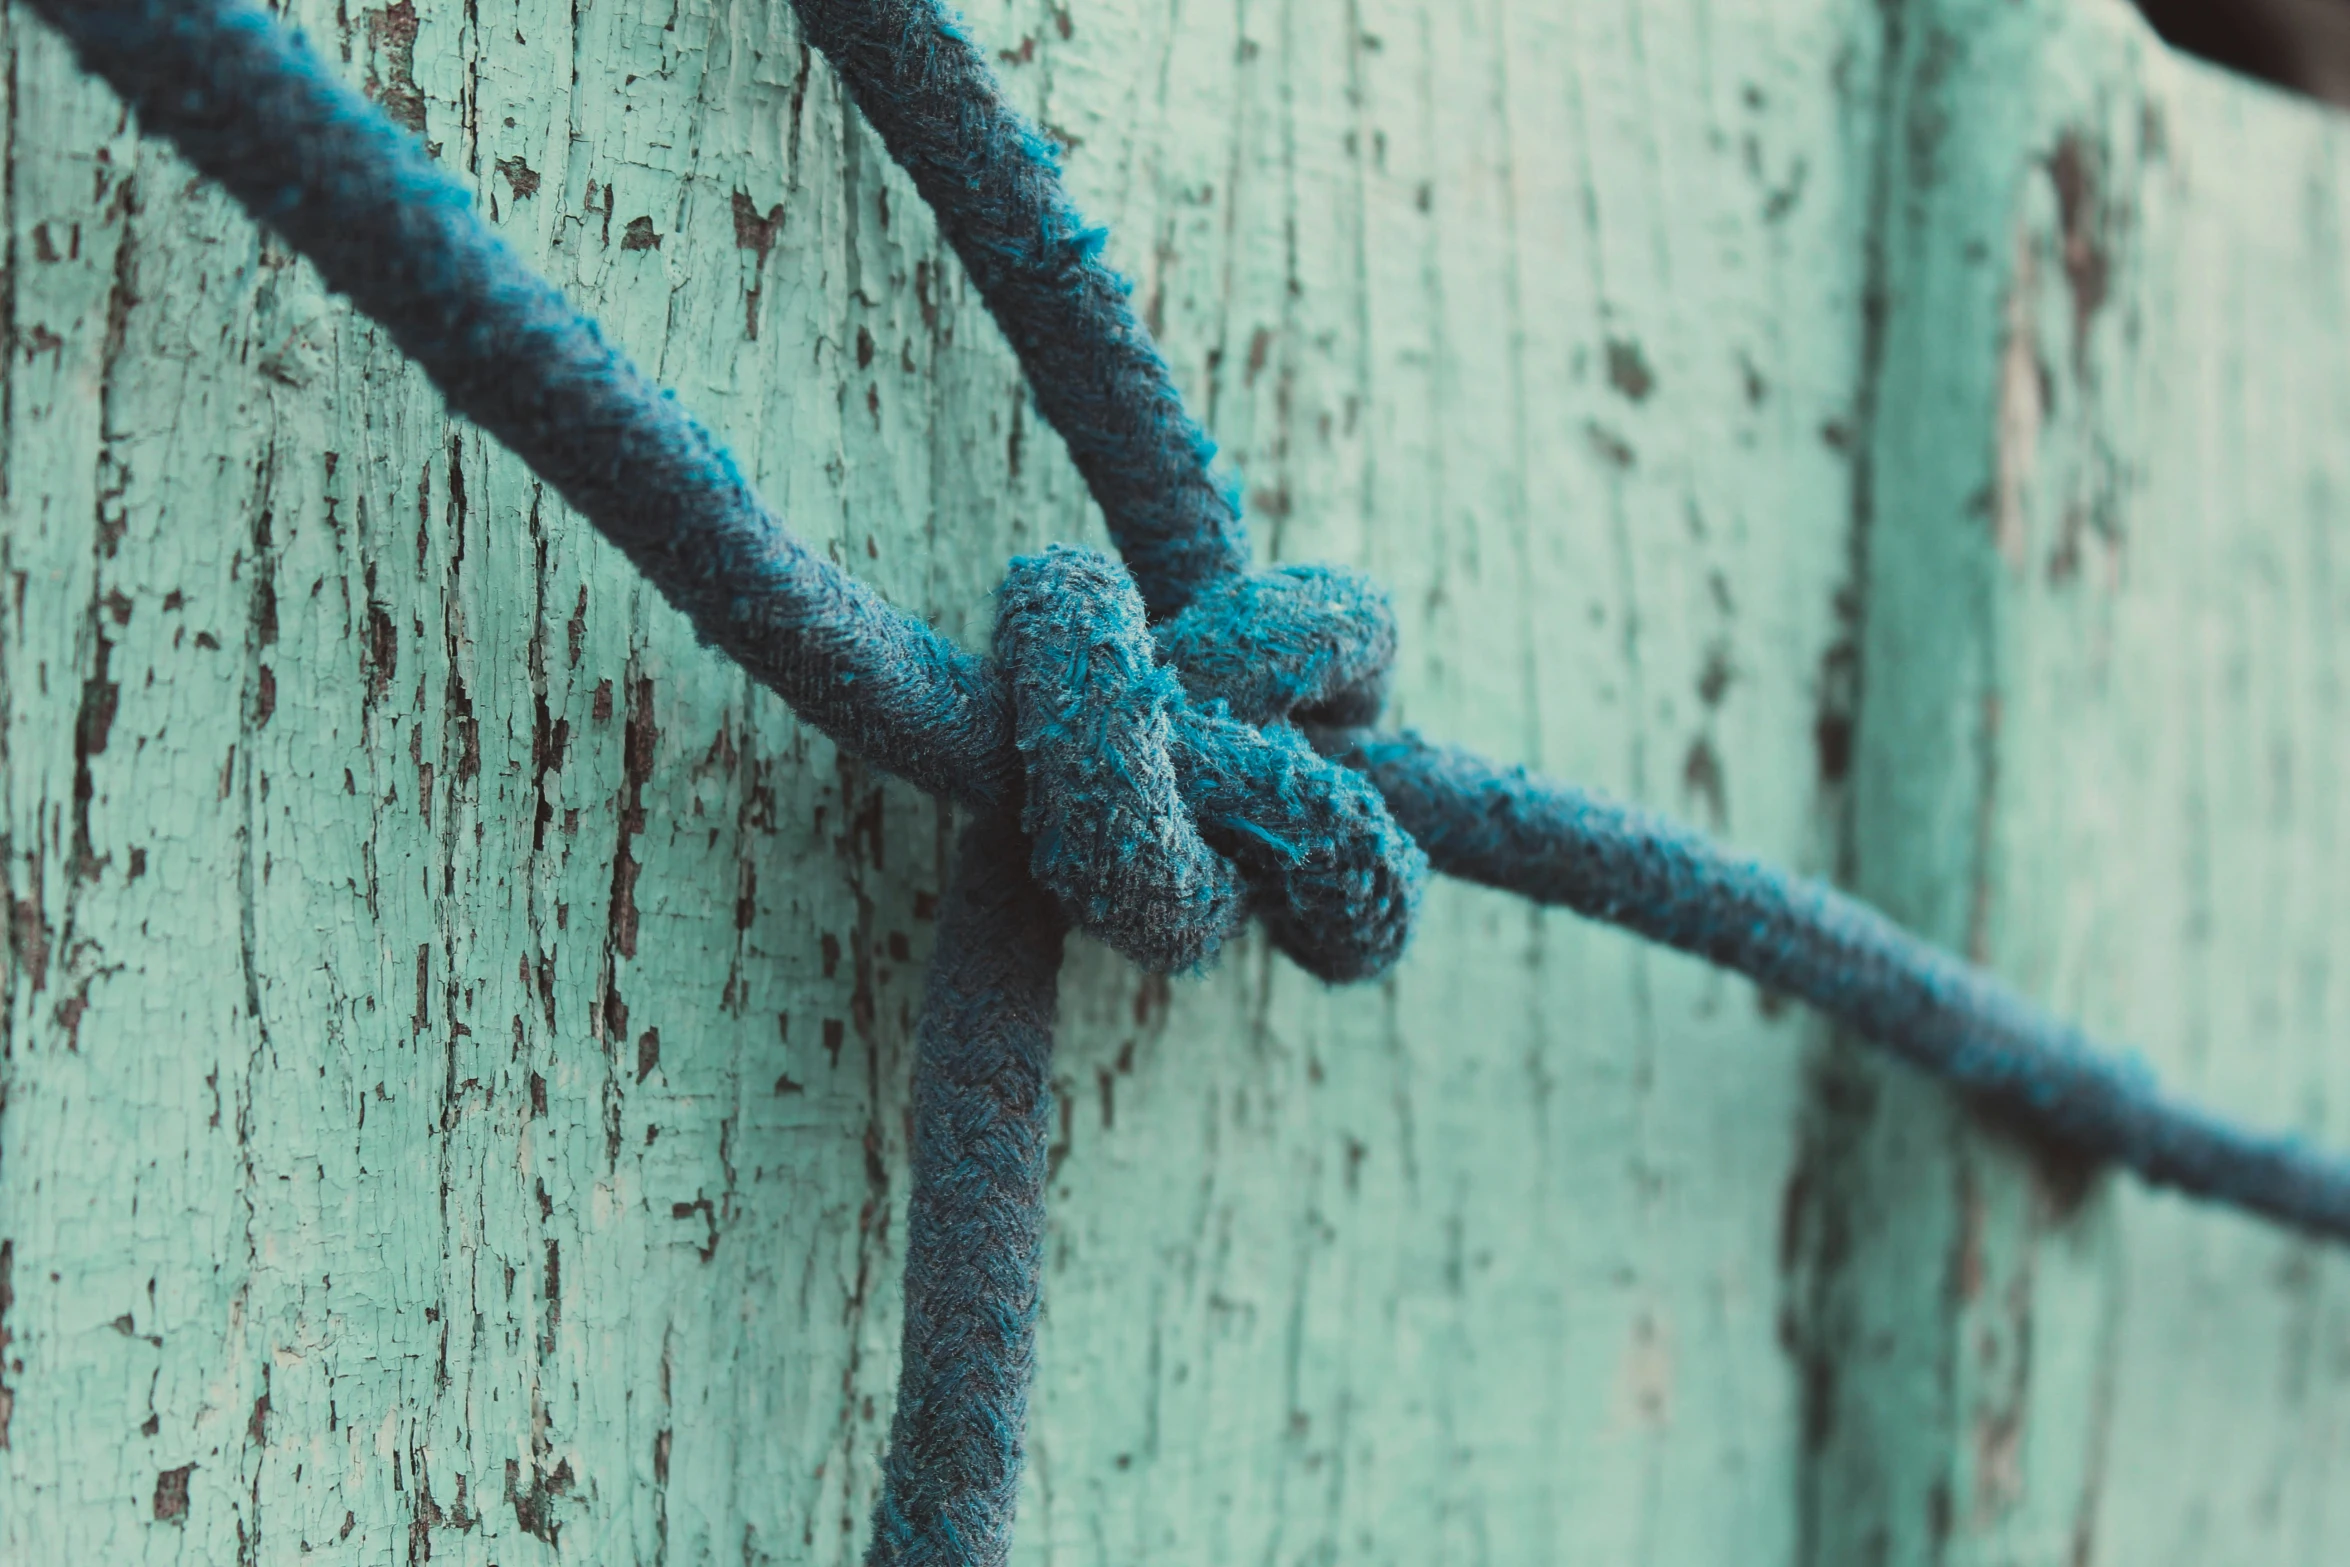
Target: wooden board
[{"x": 456, "y": 1032}]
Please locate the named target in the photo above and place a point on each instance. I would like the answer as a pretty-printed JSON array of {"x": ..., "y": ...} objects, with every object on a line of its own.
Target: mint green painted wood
[
  {"x": 456, "y": 1032},
  {"x": 2101, "y": 749}
]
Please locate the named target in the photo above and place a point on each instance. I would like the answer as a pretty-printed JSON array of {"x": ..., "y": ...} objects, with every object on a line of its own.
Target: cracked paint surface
[{"x": 452, "y": 1100}]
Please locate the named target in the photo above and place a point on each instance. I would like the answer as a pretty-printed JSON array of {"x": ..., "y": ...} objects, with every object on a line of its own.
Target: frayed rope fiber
[
  {"x": 996, "y": 189},
  {"x": 1154, "y": 754},
  {"x": 251, "y": 105},
  {"x": 995, "y": 184},
  {"x": 983, "y": 1112}
]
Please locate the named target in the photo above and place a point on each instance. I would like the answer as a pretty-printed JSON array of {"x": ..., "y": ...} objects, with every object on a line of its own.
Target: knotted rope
[
  {"x": 1152, "y": 783},
  {"x": 1157, "y": 823},
  {"x": 1161, "y": 822}
]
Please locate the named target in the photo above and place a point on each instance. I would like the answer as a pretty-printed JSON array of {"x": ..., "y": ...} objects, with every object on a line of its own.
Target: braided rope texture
[
  {"x": 1613, "y": 862},
  {"x": 1156, "y": 753},
  {"x": 904, "y": 60},
  {"x": 995, "y": 183},
  {"x": 251, "y": 105},
  {"x": 1153, "y": 834},
  {"x": 983, "y": 1111}
]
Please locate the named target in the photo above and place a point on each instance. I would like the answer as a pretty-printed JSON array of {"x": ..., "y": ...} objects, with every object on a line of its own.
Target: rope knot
[{"x": 1170, "y": 795}]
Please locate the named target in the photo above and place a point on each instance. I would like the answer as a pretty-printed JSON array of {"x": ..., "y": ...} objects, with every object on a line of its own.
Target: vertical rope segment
[{"x": 983, "y": 1112}]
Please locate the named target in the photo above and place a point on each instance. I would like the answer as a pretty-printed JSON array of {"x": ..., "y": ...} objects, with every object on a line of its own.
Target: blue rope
[
  {"x": 996, "y": 186},
  {"x": 1560, "y": 845},
  {"x": 928, "y": 91},
  {"x": 983, "y": 1112},
  {"x": 250, "y": 104},
  {"x": 1182, "y": 743}
]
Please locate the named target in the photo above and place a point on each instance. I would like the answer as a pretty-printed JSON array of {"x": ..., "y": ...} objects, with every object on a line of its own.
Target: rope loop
[
  {"x": 1313, "y": 644},
  {"x": 1169, "y": 795}
]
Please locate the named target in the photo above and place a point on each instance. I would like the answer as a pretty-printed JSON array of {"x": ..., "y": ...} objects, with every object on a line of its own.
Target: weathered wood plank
[
  {"x": 454, "y": 1080},
  {"x": 2099, "y": 736}
]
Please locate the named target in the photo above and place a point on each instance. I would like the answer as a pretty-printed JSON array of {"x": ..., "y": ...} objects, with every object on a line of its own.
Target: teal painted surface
[
  {"x": 456, "y": 1033},
  {"x": 2101, "y": 722}
]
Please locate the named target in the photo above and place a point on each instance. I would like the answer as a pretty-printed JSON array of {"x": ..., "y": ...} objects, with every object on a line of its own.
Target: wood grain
[{"x": 456, "y": 1031}]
